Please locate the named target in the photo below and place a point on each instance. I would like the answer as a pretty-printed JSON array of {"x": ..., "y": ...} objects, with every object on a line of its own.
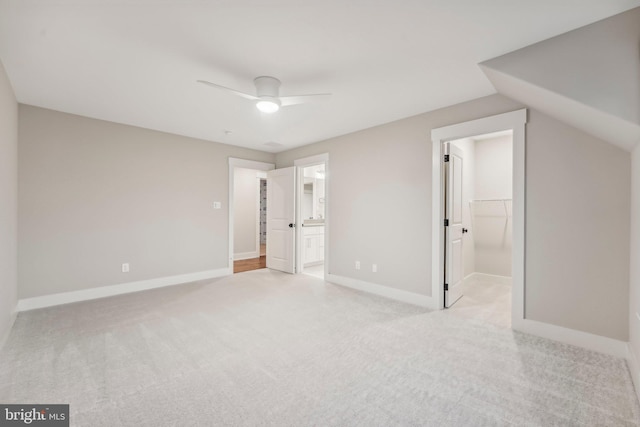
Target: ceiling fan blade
[
  {"x": 300, "y": 99},
  {"x": 242, "y": 94}
]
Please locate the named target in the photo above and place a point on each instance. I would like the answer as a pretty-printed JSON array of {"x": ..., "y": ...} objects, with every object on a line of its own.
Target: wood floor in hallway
[{"x": 249, "y": 264}]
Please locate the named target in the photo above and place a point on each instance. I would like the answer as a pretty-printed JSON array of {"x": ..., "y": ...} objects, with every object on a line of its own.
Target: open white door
[
  {"x": 281, "y": 213},
  {"x": 453, "y": 225}
]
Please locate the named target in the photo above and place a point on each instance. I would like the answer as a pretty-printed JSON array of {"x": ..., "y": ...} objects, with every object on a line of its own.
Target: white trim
[
  {"x": 247, "y": 164},
  {"x": 250, "y": 164},
  {"x": 586, "y": 340},
  {"x": 312, "y": 160},
  {"x": 246, "y": 255},
  {"x": 634, "y": 368},
  {"x": 383, "y": 291},
  {"x": 514, "y": 120},
  {"x": 123, "y": 288},
  {"x": 493, "y": 277},
  {"x": 301, "y": 164}
]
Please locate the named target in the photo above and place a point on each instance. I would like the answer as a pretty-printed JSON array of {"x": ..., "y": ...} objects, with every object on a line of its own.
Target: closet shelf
[{"x": 506, "y": 204}]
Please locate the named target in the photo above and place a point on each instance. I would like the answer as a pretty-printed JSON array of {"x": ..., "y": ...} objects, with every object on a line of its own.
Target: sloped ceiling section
[{"x": 588, "y": 78}]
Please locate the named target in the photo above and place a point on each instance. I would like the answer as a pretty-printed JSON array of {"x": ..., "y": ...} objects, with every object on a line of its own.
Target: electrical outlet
[
  {"x": 374, "y": 268},
  {"x": 357, "y": 265},
  {"x": 125, "y": 267},
  {"x": 217, "y": 205}
]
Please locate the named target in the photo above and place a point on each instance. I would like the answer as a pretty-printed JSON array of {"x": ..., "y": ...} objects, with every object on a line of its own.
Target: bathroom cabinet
[{"x": 313, "y": 245}]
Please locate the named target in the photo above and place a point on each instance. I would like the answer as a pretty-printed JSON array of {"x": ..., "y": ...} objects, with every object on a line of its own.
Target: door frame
[
  {"x": 514, "y": 121},
  {"x": 301, "y": 164},
  {"x": 246, "y": 164}
]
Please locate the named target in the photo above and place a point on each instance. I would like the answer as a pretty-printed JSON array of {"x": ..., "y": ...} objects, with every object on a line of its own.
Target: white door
[
  {"x": 454, "y": 230},
  {"x": 281, "y": 212}
]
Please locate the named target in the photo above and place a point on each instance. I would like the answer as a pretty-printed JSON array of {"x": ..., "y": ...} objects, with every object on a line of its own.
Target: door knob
[
  {"x": 464, "y": 230},
  {"x": 291, "y": 225}
]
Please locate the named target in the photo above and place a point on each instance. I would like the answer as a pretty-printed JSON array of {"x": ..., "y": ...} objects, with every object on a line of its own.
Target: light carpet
[{"x": 268, "y": 349}]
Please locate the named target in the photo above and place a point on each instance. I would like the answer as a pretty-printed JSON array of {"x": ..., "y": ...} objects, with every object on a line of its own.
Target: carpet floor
[{"x": 268, "y": 349}]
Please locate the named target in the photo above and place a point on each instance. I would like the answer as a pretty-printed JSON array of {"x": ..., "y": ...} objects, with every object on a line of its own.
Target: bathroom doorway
[{"x": 312, "y": 195}]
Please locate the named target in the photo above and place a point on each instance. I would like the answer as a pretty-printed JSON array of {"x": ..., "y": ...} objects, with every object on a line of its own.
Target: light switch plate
[{"x": 217, "y": 205}]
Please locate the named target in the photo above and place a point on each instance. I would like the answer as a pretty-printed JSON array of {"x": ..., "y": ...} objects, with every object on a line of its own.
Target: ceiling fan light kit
[
  {"x": 268, "y": 90},
  {"x": 268, "y": 104},
  {"x": 268, "y": 99}
]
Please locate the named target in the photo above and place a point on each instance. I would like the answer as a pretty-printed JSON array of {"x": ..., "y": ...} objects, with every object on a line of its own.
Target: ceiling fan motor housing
[{"x": 267, "y": 87}]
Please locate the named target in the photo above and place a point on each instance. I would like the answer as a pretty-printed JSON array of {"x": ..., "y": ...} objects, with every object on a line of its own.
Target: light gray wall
[
  {"x": 577, "y": 200},
  {"x": 96, "y": 194},
  {"x": 380, "y": 195},
  {"x": 493, "y": 228},
  {"x": 596, "y": 65},
  {"x": 494, "y": 168},
  {"x": 634, "y": 291},
  {"x": 578, "y": 207},
  {"x": 467, "y": 146},
  {"x": 8, "y": 204},
  {"x": 245, "y": 211}
]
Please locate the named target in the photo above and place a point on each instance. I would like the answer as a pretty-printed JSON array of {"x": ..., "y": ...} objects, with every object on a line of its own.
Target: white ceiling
[{"x": 137, "y": 61}]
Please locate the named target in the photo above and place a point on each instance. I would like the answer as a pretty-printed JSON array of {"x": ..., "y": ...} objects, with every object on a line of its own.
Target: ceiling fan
[{"x": 267, "y": 95}]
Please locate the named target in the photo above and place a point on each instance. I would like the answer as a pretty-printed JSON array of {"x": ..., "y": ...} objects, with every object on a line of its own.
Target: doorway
[
  {"x": 312, "y": 214},
  {"x": 248, "y": 194},
  {"x": 478, "y": 203},
  {"x": 280, "y": 230},
  {"x": 250, "y": 236},
  {"x": 312, "y": 220},
  {"x": 514, "y": 121}
]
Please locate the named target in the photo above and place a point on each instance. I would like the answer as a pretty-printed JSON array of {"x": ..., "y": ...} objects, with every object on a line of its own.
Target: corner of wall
[
  {"x": 634, "y": 369},
  {"x": 634, "y": 271},
  {"x": 8, "y": 206},
  {"x": 4, "y": 335}
]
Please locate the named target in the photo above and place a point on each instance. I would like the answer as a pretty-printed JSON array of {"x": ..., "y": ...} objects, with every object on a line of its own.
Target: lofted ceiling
[
  {"x": 137, "y": 61},
  {"x": 589, "y": 79}
]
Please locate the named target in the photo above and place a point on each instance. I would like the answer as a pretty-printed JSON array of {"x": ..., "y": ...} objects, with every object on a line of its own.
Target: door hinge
[
  {"x": 446, "y": 158},
  {"x": 446, "y": 286},
  {"x": 446, "y": 222}
]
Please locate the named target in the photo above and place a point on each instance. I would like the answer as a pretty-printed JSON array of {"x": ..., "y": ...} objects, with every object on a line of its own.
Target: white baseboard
[
  {"x": 5, "y": 334},
  {"x": 246, "y": 255},
  {"x": 123, "y": 288},
  {"x": 314, "y": 263},
  {"x": 586, "y": 340},
  {"x": 383, "y": 291},
  {"x": 634, "y": 368},
  {"x": 492, "y": 277}
]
